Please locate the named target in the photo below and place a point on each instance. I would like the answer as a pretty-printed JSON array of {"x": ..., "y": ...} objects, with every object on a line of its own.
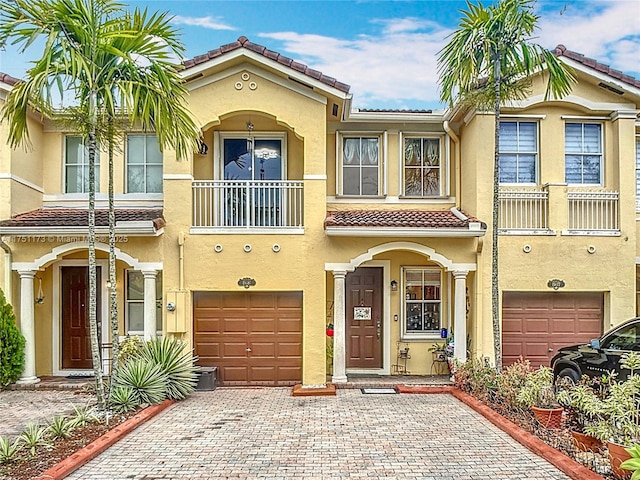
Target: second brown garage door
[
  {"x": 253, "y": 338},
  {"x": 535, "y": 325}
]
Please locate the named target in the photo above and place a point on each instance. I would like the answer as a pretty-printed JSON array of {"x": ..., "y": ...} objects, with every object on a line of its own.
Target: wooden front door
[
  {"x": 364, "y": 318},
  {"x": 76, "y": 340}
]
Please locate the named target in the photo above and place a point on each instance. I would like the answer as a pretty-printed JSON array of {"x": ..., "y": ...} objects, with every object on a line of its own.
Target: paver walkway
[
  {"x": 19, "y": 407},
  {"x": 234, "y": 433}
]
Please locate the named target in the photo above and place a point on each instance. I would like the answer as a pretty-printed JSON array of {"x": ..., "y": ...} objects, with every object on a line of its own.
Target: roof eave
[
  {"x": 61, "y": 233},
  {"x": 446, "y": 232}
]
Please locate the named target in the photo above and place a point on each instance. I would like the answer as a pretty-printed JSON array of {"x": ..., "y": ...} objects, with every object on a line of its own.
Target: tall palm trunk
[
  {"x": 113, "y": 292},
  {"x": 93, "y": 321},
  {"x": 495, "y": 291}
]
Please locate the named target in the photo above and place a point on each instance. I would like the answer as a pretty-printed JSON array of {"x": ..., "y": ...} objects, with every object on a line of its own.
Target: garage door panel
[
  {"x": 235, "y": 325},
  {"x": 550, "y": 320},
  {"x": 537, "y": 325},
  {"x": 267, "y": 350},
  {"x": 289, "y": 349},
  {"x": 233, "y": 322},
  {"x": 264, "y": 325}
]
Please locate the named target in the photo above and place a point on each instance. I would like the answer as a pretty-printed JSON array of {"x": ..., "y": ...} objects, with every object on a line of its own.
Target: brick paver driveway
[{"x": 265, "y": 433}]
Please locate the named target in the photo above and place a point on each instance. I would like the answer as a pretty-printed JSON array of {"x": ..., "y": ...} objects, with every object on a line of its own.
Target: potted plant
[
  {"x": 633, "y": 463},
  {"x": 582, "y": 407},
  {"x": 538, "y": 394},
  {"x": 619, "y": 422},
  {"x": 438, "y": 352}
]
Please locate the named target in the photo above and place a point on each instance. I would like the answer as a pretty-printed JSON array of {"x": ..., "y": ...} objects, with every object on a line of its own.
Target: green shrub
[
  {"x": 34, "y": 436},
  {"x": 11, "y": 345},
  {"x": 146, "y": 379},
  {"x": 633, "y": 464},
  {"x": 60, "y": 427},
  {"x": 83, "y": 416},
  {"x": 8, "y": 450},
  {"x": 123, "y": 399},
  {"x": 129, "y": 348},
  {"x": 175, "y": 362}
]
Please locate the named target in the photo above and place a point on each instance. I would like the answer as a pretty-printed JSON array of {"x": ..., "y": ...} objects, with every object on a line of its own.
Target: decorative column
[
  {"x": 149, "y": 303},
  {"x": 27, "y": 326},
  {"x": 460, "y": 316},
  {"x": 339, "y": 350}
]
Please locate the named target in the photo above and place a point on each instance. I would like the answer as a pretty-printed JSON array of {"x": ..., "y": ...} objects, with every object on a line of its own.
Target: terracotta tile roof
[
  {"x": 243, "y": 42},
  {"x": 397, "y": 218},
  {"x": 76, "y": 217},
  {"x": 561, "y": 51},
  {"x": 8, "y": 79}
]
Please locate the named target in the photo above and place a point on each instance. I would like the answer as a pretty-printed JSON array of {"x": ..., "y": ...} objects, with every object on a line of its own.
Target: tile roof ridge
[
  {"x": 562, "y": 51},
  {"x": 8, "y": 79},
  {"x": 244, "y": 42}
]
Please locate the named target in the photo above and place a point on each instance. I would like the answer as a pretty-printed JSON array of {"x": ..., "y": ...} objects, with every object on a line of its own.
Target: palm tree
[
  {"x": 490, "y": 59},
  {"x": 114, "y": 64}
]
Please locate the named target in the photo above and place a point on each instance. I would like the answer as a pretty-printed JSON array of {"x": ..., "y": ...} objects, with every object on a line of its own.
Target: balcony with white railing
[
  {"x": 593, "y": 212},
  {"x": 523, "y": 211},
  {"x": 247, "y": 205}
]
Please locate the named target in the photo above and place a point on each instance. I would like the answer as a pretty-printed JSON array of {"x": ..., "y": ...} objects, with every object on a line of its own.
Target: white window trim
[
  {"x": 404, "y": 334},
  {"x": 520, "y": 119},
  {"x": 382, "y": 161},
  {"x": 602, "y": 147},
  {"x": 145, "y": 163},
  {"x": 637, "y": 173},
  {"x": 64, "y": 165},
  {"x": 139, "y": 333},
  {"x": 444, "y": 165},
  {"x": 220, "y": 137}
]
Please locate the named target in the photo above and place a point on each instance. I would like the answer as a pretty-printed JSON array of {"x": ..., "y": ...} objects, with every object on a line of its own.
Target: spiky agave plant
[
  {"x": 176, "y": 362},
  {"x": 9, "y": 450},
  {"x": 60, "y": 427},
  {"x": 123, "y": 399},
  {"x": 145, "y": 378},
  {"x": 33, "y": 437}
]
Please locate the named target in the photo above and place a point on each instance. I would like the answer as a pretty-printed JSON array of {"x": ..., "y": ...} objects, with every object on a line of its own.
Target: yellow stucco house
[{"x": 299, "y": 212}]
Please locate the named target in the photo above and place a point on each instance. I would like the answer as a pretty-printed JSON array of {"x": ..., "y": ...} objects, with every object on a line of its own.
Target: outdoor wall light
[
  {"x": 202, "y": 148},
  {"x": 250, "y": 126},
  {"x": 394, "y": 286}
]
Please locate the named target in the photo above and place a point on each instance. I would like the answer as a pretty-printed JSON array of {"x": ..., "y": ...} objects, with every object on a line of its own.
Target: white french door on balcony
[{"x": 252, "y": 172}]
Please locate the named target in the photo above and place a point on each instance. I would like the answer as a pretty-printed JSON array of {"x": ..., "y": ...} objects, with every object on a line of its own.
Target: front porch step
[{"x": 359, "y": 381}]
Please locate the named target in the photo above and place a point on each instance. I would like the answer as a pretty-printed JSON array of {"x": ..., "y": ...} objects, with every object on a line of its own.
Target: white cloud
[
  {"x": 395, "y": 69},
  {"x": 608, "y": 32},
  {"x": 205, "y": 22}
]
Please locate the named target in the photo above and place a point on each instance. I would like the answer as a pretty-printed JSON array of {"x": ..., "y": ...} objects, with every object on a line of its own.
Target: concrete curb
[
  {"x": 566, "y": 465},
  {"x": 95, "y": 448}
]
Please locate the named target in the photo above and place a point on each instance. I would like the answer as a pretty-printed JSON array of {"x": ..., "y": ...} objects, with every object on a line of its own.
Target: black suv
[{"x": 601, "y": 356}]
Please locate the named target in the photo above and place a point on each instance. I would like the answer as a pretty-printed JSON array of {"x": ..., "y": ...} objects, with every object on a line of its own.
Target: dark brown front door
[
  {"x": 76, "y": 340},
  {"x": 364, "y": 318}
]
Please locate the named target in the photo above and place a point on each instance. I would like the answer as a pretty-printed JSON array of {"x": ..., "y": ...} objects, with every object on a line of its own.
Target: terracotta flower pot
[
  {"x": 617, "y": 455},
  {"x": 586, "y": 443},
  {"x": 548, "y": 417}
]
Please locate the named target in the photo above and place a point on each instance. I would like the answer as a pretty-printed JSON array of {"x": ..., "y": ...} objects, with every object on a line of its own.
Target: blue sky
[{"x": 386, "y": 50}]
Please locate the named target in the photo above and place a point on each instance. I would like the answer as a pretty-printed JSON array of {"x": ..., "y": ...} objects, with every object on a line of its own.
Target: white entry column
[
  {"x": 27, "y": 326},
  {"x": 460, "y": 316},
  {"x": 339, "y": 336},
  {"x": 149, "y": 303}
]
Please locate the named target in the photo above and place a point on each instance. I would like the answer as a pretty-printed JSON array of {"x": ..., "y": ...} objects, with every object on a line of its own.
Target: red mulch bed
[{"x": 26, "y": 467}]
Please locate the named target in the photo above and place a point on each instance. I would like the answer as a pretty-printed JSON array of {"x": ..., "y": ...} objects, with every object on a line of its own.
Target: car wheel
[{"x": 568, "y": 375}]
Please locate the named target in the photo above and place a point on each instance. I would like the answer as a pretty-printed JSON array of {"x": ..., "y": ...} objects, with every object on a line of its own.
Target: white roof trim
[
  {"x": 600, "y": 75},
  {"x": 244, "y": 52},
  {"x": 61, "y": 233},
  {"x": 404, "y": 232},
  {"x": 355, "y": 115},
  {"x": 594, "y": 106}
]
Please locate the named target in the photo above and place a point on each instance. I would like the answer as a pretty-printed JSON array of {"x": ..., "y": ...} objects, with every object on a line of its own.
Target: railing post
[{"x": 558, "y": 206}]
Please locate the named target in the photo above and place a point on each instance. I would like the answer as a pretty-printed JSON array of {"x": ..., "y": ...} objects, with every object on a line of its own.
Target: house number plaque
[{"x": 362, "y": 313}]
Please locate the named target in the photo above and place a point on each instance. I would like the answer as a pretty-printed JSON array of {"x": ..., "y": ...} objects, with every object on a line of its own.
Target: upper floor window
[
  {"x": 76, "y": 165},
  {"x": 518, "y": 152},
  {"x": 583, "y": 153},
  {"x": 144, "y": 164},
  {"x": 256, "y": 157},
  {"x": 423, "y": 301},
  {"x": 361, "y": 165},
  {"x": 422, "y": 167}
]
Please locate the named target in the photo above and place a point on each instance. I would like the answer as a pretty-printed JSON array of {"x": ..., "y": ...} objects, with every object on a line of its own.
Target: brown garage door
[
  {"x": 253, "y": 338},
  {"x": 535, "y": 325}
]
